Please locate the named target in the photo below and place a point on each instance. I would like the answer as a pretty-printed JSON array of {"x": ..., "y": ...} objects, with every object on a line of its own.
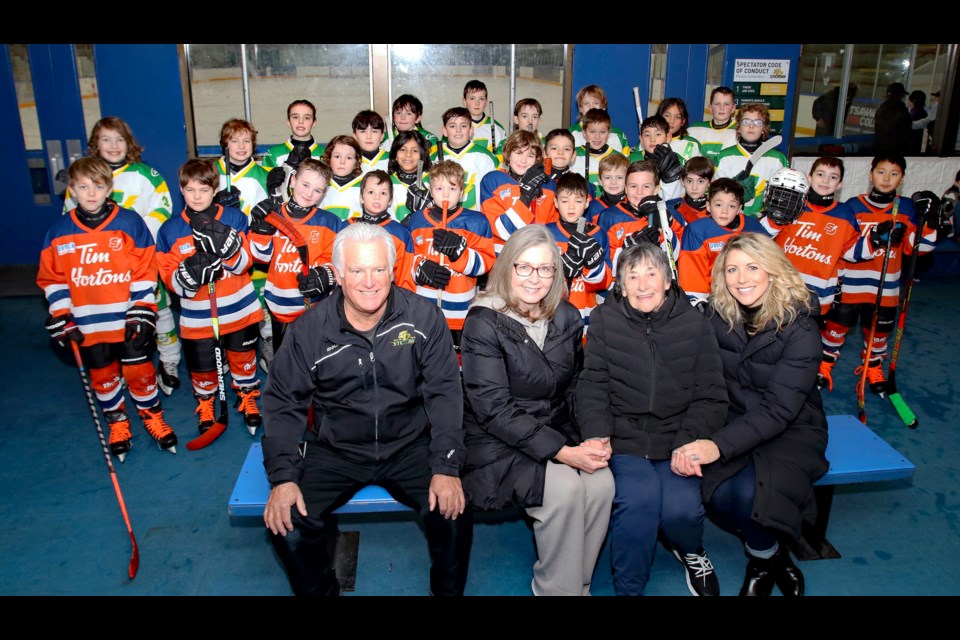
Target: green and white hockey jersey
[
  {"x": 477, "y": 161},
  {"x": 733, "y": 160},
  {"x": 617, "y": 139},
  {"x": 343, "y": 202},
  {"x": 139, "y": 187},
  {"x": 379, "y": 161},
  {"x": 584, "y": 164},
  {"x": 398, "y": 206},
  {"x": 481, "y": 133},
  {"x": 251, "y": 180},
  {"x": 711, "y": 140},
  {"x": 276, "y": 154},
  {"x": 686, "y": 147},
  {"x": 391, "y": 133}
]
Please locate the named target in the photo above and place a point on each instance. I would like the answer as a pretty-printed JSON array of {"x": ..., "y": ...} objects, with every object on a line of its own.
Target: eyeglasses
[
  {"x": 752, "y": 123},
  {"x": 524, "y": 270}
]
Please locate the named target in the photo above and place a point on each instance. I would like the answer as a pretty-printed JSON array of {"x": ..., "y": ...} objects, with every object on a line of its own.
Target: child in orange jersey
[
  {"x": 289, "y": 291},
  {"x": 450, "y": 257},
  {"x": 202, "y": 246},
  {"x": 98, "y": 272}
]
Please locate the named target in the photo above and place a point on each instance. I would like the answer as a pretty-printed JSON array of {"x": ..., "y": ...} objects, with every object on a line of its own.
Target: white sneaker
[{"x": 167, "y": 377}]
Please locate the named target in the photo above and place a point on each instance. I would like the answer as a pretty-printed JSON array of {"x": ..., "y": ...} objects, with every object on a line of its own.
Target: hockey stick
[
  {"x": 443, "y": 225},
  {"x": 87, "y": 388},
  {"x": 761, "y": 150},
  {"x": 862, "y": 385},
  {"x": 909, "y": 417},
  {"x": 292, "y": 234},
  {"x": 493, "y": 129},
  {"x": 665, "y": 229},
  {"x": 218, "y": 427},
  {"x": 636, "y": 103}
]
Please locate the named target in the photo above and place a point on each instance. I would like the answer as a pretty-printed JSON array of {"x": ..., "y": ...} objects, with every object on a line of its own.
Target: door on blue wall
[{"x": 41, "y": 106}]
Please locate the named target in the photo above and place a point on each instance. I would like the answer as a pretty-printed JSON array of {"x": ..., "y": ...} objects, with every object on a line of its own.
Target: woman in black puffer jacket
[
  {"x": 521, "y": 349},
  {"x": 759, "y": 469},
  {"x": 651, "y": 383}
]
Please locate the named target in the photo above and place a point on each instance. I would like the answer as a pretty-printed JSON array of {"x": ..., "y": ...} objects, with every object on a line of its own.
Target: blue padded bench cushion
[{"x": 250, "y": 494}]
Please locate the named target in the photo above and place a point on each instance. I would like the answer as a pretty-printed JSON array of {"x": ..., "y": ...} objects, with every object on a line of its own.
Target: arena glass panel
[
  {"x": 89, "y": 93},
  {"x": 658, "y": 77}
]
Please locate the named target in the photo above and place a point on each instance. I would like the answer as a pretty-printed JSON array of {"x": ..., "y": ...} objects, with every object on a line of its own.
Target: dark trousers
[
  {"x": 328, "y": 482},
  {"x": 650, "y": 498},
  {"x": 731, "y": 506}
]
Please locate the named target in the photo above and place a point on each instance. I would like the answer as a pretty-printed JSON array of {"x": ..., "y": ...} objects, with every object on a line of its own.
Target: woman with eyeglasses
[
  {"x": 521, "y": 348},
  {"x": 652, "y": 382}
]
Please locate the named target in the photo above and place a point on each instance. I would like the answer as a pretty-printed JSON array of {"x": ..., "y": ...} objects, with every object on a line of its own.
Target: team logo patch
[
  {"x": 716, "y": 246},
  {"x": 418, "y": 240},
  {"x": 70, "y": 247},
  {"x": 186, "y": 247},
  {"x": 404, "y": 337},
  {"x": 504, "y": 193},
  {"x": 831, "y": 229},
  {"x": 619, "y": 233},
  {"x": 314, "y": 236},
  {"x": 115, "y": 244}
]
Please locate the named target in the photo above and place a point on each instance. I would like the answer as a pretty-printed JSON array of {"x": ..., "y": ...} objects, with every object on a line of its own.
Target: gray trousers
[{"x": 570, "y": 528}]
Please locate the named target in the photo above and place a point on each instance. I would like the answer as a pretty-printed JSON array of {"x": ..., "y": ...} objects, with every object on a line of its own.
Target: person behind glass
[
  {"x": 758, "y": 470},
  {"x": 521, "y": 348},
  {"x": 394, "y": 421},
  {"x": 651, "y": 383}
]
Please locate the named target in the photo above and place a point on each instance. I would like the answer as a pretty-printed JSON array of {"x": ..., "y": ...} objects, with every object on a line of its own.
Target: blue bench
[
  {"x": 856, "y": 455},
  {"x": 250, "y": 494}
]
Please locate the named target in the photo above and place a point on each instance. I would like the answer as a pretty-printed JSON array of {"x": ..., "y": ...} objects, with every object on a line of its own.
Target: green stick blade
[{"x": 909, "y": 417}]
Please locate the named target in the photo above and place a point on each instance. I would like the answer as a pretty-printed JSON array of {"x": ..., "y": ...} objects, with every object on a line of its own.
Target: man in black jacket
[{"x": 379, "y": 365}]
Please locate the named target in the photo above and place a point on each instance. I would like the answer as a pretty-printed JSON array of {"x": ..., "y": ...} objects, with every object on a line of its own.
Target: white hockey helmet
[{"x": 785, "y": 195}]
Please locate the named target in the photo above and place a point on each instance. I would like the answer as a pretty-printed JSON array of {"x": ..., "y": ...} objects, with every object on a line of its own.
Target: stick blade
[
  {"x": 134, "y": 560},
  {"x": 909, "y": 417},
  {"x": 207, "y": 437}
]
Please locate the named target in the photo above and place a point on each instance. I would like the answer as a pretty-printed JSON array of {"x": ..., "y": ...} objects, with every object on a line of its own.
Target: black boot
[
  {"x": 788, "y": 576},
  {"x": 760, "y": 577}
]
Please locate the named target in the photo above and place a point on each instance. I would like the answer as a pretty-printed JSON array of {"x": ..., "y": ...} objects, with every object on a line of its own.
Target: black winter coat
[
  {"x": 653, "y": 382},
  {"x": 517, "y": 412},
  {"x": 776, "y": 418}
]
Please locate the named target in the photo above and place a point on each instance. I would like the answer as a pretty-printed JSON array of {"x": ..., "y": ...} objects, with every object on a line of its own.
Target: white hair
[{"x": 362, "y": 232}]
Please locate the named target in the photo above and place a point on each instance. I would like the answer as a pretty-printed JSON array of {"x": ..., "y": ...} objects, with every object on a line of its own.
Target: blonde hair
[
  {"x": 500, "y": 283},
  {"x": 786, "y": 296}
]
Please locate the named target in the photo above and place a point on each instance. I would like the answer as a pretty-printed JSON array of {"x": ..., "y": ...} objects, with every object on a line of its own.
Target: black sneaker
[{"x": 701, "y": 579}]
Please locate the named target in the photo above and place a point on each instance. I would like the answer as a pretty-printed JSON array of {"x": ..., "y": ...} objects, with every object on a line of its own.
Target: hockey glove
[
  {"x": 647, "y": 234},
  {"x": 62, "y": 328},
  {"x": 141, "y": 327},
  {"x": 449, "y": 243},
  {"x": 749, "y": 184},
  {"x": 275, "y": 180},
  {"x": 258, "y": 224},
  {"x": 589, "y": 249},
  {"x": 927, "y": 205},
  {"x": 418, "y": 198},
  {"x": 668, "y": 163},
  {"x": 319, "y": 281},
  {"x": 531, "y": 184},
  {"x": 648, "y": 207},
  {"x": 431, "y": 274},
  {"x": 199, "y": 269},
  {"x": 212, "y": 236},
  {"x": 879, "y": 234},
  {"x": 297, "y": 155},
  {"x": 572, "y": 259},
  {"x": 229, "y": 198}
]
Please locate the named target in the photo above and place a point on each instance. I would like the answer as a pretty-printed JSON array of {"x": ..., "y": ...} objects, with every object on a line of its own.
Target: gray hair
[
  {"x": 362, "y": 232},
  {"x": 499, "y": 282},
  {"x": 644, "y": 253}
]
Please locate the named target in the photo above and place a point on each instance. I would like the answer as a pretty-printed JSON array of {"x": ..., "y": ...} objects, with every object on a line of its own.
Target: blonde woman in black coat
[
  {"x": 758, "y": 470},
  {"x": 521, "y": 348}
]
